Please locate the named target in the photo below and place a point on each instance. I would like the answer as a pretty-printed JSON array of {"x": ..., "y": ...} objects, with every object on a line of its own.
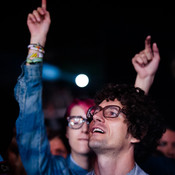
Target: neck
[
  {"x": 81, "y": 159},
  {"x": 114, "y": 164}
]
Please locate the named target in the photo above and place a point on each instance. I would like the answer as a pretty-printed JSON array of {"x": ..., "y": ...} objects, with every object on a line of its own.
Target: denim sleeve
[{"x": 31, "y": 133}]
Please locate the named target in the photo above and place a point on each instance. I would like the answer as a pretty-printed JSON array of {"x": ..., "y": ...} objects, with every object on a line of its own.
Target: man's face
[
  {"x": 78, "y": 138},
  {"x": 167, "y": 144},
  {"x": 109, "y": 133}
]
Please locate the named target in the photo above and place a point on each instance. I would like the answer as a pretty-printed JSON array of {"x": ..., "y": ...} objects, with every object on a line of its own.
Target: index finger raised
[
  {"x": 44, "y": 4},
  {"x": 148, "y": 42}
]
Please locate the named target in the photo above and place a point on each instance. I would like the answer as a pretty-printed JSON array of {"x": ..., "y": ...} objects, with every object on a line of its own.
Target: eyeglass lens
[
  {"x": 76, "y": 122},
  {"x": 108, "y": 111}
]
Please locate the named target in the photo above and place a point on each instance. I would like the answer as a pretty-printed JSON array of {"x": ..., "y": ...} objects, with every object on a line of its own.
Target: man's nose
[{"x": 99, "y": 117}]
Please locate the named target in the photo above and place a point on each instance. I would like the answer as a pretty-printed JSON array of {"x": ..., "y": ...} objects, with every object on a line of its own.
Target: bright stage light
[{"x": 81, "y": 80}]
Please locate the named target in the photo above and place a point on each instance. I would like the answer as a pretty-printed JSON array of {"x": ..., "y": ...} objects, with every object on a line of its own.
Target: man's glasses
[
  {"x": 110, "y": 111},
  {"x": 76, "y": 122}
]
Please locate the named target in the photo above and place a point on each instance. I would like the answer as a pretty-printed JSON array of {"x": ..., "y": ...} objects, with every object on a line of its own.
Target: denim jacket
[{"x": 31, "y": 137}]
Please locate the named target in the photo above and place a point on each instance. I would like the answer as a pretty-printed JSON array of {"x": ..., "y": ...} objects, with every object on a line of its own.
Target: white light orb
[{"x": 81, "y": 80}]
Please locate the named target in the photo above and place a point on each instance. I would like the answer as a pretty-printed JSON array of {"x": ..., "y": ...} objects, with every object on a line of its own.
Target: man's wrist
[{"x": 144, "y": 83}]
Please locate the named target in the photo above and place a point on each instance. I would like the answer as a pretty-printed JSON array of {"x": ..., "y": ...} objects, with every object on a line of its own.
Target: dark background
[{"x": 97, "y": 39}]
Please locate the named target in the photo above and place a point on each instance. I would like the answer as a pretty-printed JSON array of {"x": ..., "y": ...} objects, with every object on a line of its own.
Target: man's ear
[{"x": 134, "y": 140}]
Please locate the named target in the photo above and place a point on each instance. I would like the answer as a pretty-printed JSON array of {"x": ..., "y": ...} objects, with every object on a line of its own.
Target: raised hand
[
  {"x": 147, "y": 61},
  {"x": 38, "y": 23},
  {"x": 146, "y": 64}
]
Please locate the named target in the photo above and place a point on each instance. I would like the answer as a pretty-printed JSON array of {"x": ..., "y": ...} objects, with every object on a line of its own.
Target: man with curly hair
[{"x": 125, "y": 124}]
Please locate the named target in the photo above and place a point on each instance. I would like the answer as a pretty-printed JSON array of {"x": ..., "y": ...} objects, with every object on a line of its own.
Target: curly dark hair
[{"x": 142, "y": 116}]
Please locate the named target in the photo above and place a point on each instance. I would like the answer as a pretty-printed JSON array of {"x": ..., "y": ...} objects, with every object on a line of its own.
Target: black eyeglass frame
[
  {"x": 90, "y": 116},
  {"x": 83, "y": 121}
]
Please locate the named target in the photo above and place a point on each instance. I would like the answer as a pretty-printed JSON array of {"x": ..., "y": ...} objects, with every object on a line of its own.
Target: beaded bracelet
[
  {"x": 37, "y": 47},
  {"x": 36, "y": 57}
]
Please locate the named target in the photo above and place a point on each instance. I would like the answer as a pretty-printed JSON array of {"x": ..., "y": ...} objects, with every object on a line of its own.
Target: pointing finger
[
  {"x": 156, "y": 51},
  {"x": 43, "y": 4},
  {"x": 148, "y": 42}
]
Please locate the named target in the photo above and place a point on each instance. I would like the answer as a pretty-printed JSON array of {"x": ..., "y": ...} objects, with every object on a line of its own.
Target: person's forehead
[
  {"x": 77, "y": 110},
  {"x": 169, "y": 135},
  {"x": 106, "y": 103}
]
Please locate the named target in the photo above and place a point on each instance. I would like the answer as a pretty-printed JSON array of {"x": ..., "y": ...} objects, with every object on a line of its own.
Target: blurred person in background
[
  {"x": 167, "y": 142},
  {"x": 56, "y": 133},
  {"x": 162, "y": 161},
  {"x": 14, "y": 158}
]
